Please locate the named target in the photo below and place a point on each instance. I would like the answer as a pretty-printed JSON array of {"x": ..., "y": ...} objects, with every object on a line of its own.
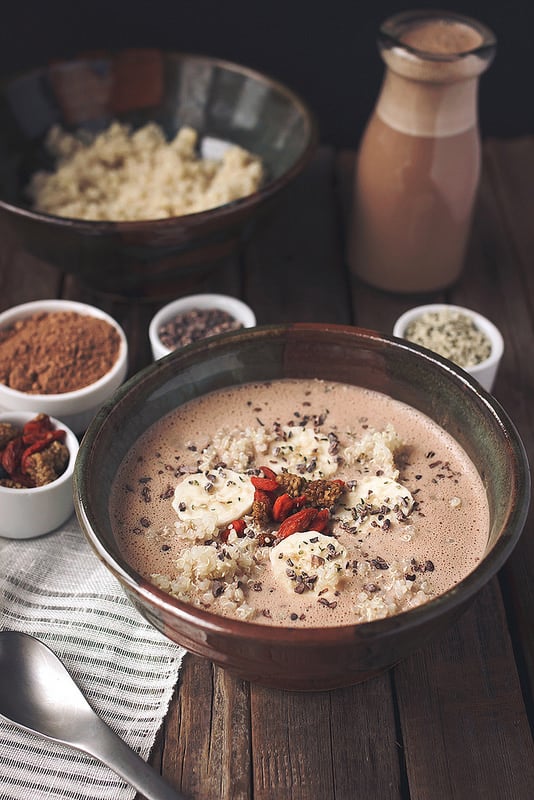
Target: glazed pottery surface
[
  {"x": 314, "y": 658},
  {"x": 220, "y": 100}
]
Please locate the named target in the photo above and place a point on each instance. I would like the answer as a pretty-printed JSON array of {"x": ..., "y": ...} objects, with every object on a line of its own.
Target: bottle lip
[{"x": 394, "y": 27}]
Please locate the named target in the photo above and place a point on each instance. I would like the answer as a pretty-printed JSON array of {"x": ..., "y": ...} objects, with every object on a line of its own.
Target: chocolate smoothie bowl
[{"x": 302, "y": 504}]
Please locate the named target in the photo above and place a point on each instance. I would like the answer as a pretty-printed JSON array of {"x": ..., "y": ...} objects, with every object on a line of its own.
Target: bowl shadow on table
[
  {"x": 218, "y": 99},
  {"x": 288, "y": 658}
]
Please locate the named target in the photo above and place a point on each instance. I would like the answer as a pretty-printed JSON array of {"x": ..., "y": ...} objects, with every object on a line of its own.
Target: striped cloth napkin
[{"x": 55, "y": 588}]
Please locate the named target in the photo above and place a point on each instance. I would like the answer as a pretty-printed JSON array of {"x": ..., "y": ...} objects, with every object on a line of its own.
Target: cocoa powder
[{"x": 56, "y": 352}]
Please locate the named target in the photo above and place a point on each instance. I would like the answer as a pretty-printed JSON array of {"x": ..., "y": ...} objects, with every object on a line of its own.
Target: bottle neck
[{"x": 421, "y": 108}]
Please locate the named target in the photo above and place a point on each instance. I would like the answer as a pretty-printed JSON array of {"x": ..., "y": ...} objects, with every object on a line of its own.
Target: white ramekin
[
  {"x": 26, "y": 513},
  {"x": 76, "y": 408},
  {"x": 484, "y": 372},
  {"x": 239, "y": 310}
]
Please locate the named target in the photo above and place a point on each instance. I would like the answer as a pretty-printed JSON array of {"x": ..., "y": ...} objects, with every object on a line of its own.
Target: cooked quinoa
[
  {"x": 122, "y": 175},
  {"x": 220, "y": 576}
]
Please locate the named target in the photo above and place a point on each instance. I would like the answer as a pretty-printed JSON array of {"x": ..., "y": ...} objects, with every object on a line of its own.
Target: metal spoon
[{"x": 38, "y": 694}]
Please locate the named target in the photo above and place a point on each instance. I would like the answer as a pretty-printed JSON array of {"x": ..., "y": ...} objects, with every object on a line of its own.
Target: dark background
[{"x": 323, "y": 49}]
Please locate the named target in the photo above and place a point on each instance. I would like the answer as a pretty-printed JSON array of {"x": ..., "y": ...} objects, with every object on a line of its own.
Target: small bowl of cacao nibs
[
  {"x": 195, "y": 317},
  {"x": 465, "y": 337},
  {"x": 37, "y": 455}
]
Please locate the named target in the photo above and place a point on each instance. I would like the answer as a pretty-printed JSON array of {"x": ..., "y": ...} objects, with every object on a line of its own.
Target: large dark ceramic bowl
[
  {"x": 217, "y": 98},
  {"x": 312, "y": 658}
]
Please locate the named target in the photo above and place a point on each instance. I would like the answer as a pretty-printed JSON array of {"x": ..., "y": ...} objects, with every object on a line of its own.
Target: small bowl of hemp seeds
[
  {"x": 465, "y": 337},
  {"x": 195, "y": 317}
]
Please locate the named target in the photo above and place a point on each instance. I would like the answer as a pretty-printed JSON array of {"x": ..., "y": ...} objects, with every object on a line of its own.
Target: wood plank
[
  {"x": 23, "y": 278},
  {"x": 291, "y": 745},
  {"x": 423, "y": 707},
  {"x": 338, "y": 744},
  {"x": 365, "y": 747},
  {"x": 464, "y": 727},
  {"x": 493, "y": 284},
  {"x": 507, "y": 204},
  {"x": 207, "y": 735},
  {"x": 509, "y": 167},
  {"x": 294, "y": 265}
]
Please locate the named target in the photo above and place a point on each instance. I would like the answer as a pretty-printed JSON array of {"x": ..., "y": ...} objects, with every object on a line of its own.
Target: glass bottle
[{"x": 418, "y": 166}]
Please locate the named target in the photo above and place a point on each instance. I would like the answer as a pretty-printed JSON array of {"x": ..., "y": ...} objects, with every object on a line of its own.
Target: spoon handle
[{"x": 105, "y": 745}]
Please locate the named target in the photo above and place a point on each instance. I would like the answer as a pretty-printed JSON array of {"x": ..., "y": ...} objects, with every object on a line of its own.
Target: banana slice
[
  {"x": 222, "y": 493},
  {"x": 304, "y": 451},
  {"x": 308, "y": 561},
  {"x": 375, "y": 499}
]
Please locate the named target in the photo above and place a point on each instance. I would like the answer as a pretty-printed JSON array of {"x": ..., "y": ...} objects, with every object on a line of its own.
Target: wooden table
[{"x": 453, "y": 720}]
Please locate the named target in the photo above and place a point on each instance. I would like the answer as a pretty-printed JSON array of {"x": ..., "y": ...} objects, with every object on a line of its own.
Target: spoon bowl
[{"x": 39, "y": 695}]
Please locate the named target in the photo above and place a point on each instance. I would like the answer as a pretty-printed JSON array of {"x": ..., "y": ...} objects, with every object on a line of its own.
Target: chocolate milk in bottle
[{"x": 419, "y": 160}]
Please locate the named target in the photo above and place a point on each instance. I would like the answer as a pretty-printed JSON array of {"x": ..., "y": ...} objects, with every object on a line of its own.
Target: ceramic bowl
[
  {"x": 313, "y": 658},
  {"x": 484, "y": 372},
  {"x": 236, "y": 308},
  {"x": 76, "y": 408},
  {"x": 220, "y": 100},
  {"x": 27, "y": 513}
]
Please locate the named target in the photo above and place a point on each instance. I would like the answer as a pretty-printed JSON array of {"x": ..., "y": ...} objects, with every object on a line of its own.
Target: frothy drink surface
[
  {"x": 442, "y": 36},
  {"x": 387, "y": 566}
]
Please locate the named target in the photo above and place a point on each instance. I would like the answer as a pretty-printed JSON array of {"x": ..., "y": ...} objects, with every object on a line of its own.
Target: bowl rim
[
  {"x": 9, "y": 315},
  {"x": 455, "y": 597},
  {"x": 201, "y": 217},
  {"x": 483, "y": 323},
  {"x": 71, "y": 440}
]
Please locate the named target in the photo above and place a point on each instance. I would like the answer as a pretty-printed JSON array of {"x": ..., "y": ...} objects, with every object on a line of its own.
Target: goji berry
[
  {"x": 238, "y": 525},
  {"x": 300, "y": 501},
  {"x": 264, "y": 484},
  {"x": 283, "y": 506},
  {"x": 300, "y": 521},
  {"x": 268, "y": 473},
  {"x": 320, "y": 523},
  {"x": 11, "y": 456},
  {"x": 36, "y": 429}
]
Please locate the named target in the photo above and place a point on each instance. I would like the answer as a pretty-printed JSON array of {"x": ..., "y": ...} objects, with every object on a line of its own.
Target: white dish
[
  {"x": 239, "y": 310},
  {"x": 27, "y": 513},
  {"x": 76, "y": 408},
  {"x": 485, "y": 372}
]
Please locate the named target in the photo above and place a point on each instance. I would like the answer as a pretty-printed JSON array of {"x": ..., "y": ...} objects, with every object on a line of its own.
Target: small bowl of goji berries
[
  {"x": 195, "y": 317},
  {"x": 37, "y": 455}
]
